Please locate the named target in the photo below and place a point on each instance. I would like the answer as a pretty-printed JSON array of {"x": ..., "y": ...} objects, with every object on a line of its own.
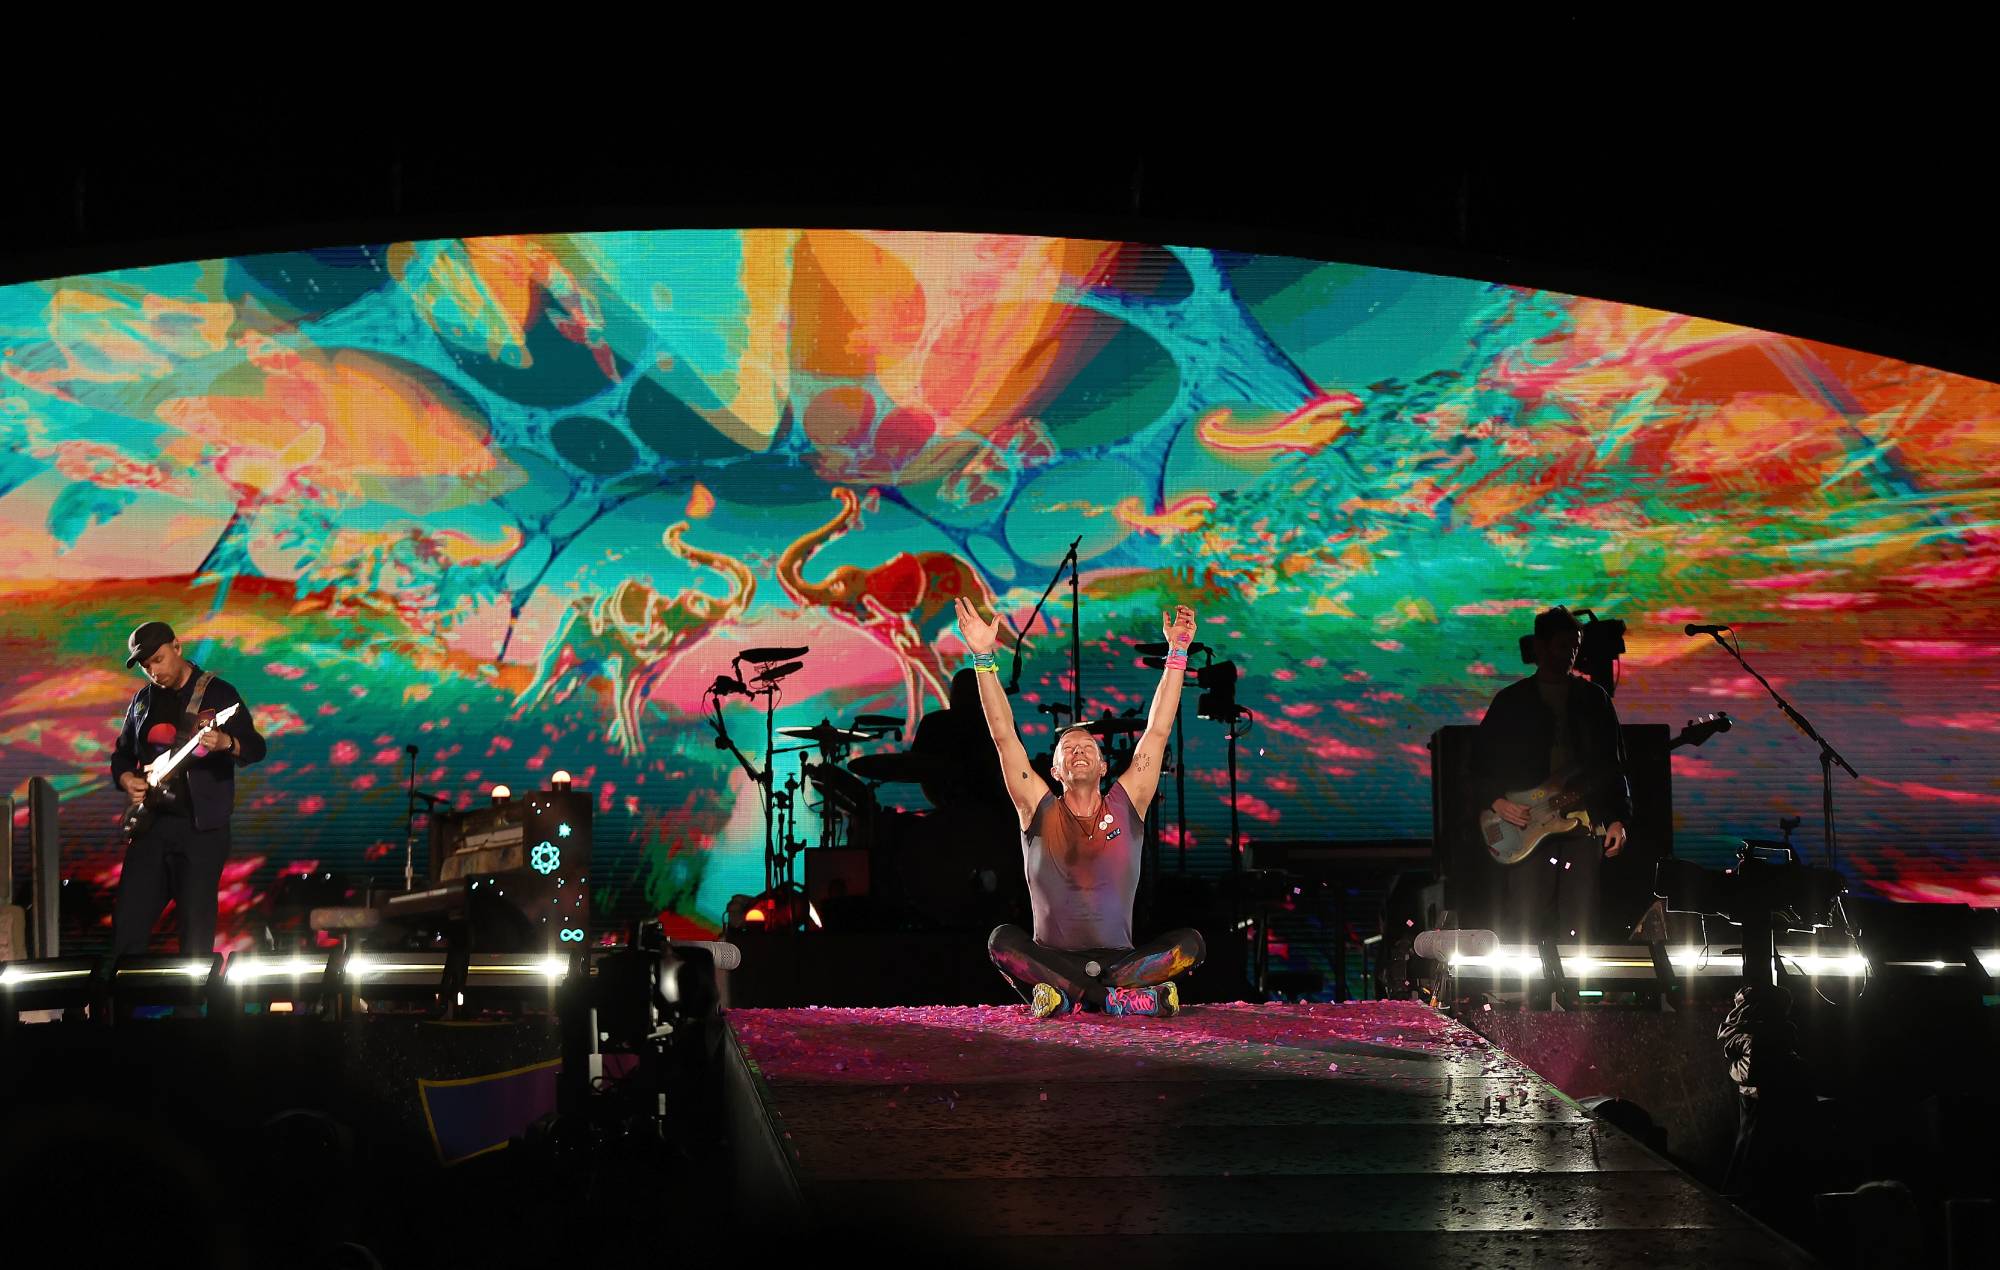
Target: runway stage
[{"x": 1370, "y": 1132}]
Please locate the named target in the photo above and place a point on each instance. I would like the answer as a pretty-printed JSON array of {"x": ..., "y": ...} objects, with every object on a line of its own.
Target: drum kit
[{"x": 841, "y": 787}]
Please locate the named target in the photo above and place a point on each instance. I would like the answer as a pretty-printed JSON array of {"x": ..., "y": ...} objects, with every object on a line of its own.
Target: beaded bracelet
[
  {"x": 984, "y": 664},
  {"x": 1176, "y": 657}
]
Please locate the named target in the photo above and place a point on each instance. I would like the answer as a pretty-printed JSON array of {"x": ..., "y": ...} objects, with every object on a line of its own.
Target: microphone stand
[
  {"x": 761, "y": 775},
  {"x": 1828, "y": 756},
  {"x": 1075, "y": 634},
  {"x": 410, "y": 824},
  {"x": 1180, "y": 760},
  {"x": 1180, "y": 792}
]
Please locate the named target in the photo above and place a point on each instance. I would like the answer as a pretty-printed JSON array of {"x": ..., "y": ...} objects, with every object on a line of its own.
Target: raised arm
[
  {"x": 1023, "y": 787},
  {"x": 1143, "y": 777}
]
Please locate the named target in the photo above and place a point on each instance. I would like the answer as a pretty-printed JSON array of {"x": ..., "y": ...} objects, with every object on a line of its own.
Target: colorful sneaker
[
  {"x": 1170, "y": 999},
  {"x": 1132, "y": 1001},
  {"x": 1049, "y": 1000}
]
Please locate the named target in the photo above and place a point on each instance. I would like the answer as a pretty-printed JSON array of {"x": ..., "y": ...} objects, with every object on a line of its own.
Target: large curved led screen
[{"x": 519, "y": 500}]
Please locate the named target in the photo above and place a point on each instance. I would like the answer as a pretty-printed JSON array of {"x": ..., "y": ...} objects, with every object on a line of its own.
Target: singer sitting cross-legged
[{"x": 1081, "y": 851}]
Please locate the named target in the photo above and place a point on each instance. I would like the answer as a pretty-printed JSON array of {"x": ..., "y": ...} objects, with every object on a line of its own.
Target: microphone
[
  {"x": 1053, "y": 708},
  {"x": 410, "y": 750},
  {"x": 724, "y": 685},
  {"x": 727, "y": 956},
  {"x": 1692, "y": 629}
]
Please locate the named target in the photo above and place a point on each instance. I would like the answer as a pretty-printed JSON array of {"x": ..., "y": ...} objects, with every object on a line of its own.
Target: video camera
[
  {"x": 1603, "y": 643},
  {"x": 1768, "y": 884}
]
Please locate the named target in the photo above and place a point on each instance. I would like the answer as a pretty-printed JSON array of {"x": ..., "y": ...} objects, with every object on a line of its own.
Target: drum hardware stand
[{"x": 1075, "y": 634}]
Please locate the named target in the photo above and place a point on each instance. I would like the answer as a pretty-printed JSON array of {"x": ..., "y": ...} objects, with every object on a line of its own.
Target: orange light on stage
[
  {"x": 501, "y": 794},
  {"x": 560, "y": 781},
  {"x": 754, "y": 915}
]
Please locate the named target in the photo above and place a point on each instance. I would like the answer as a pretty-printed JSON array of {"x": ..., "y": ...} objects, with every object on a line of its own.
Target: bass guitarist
[
  {"x": 1545, "y": 728},
  {"x": 183, "y": 839}
]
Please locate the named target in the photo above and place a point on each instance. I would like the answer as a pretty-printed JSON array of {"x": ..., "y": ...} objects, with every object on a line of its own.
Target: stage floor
[{"x": 1374, "y": 1132}]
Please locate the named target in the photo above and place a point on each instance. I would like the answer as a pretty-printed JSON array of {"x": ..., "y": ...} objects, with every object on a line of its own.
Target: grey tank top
[{"x": 1082, "y": 879}]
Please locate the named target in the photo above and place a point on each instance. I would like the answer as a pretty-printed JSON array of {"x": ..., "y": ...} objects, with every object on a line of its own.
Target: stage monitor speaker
[
  {"x": 1472, "y": 879},
  {"x": 45, "y": 846}
]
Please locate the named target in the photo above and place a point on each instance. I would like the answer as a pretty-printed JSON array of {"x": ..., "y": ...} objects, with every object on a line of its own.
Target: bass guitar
[
  {"x": 139, "y": 816},
  {"x": 1556, "y": 806}
]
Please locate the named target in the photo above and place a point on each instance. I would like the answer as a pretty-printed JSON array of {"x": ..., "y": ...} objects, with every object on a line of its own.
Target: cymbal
[
  {"x": 878, "y": 721},
  {"x": 826, "y": 734},
  {"x": 1112, "y": 727},
  {"x": 773, "y": 654},
  {"x": 847, "y": 792},
  {"x": 908, "y": 769}
]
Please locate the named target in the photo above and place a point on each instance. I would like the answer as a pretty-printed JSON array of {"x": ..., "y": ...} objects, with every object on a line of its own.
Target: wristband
[
  {"x": 984, "y": 664},
  {"x": 1176, "y": 657}
]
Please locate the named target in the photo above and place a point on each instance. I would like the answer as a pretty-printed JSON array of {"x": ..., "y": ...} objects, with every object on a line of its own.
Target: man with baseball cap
[{"x": 179, "y": 856}]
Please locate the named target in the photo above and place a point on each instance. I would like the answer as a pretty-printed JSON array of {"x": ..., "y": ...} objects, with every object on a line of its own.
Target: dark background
[{"x": 1879, "y": 242}]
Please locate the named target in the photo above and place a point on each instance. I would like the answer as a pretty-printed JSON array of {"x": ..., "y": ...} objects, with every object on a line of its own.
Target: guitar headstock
[{"x": 1700, "y": 729}]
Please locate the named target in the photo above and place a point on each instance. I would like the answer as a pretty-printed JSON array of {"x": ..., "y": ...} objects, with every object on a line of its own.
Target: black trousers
[
  {"x": 1555, "y": 901},
  {"x": 174, "y": 861},
  {"x": 1025, "y": 963}
]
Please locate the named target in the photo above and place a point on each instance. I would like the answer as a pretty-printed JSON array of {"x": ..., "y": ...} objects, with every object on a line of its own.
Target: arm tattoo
[{"x": 1143, "y": 762}]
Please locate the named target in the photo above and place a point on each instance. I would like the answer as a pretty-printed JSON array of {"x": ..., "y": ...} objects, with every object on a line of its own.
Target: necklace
[{"x": 1084, "y": 822}]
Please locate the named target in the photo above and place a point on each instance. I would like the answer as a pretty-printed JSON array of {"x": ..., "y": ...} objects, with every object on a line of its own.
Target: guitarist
[
  {"x": 1552, "y": 722},
  {"x": 179, "y": 856}
]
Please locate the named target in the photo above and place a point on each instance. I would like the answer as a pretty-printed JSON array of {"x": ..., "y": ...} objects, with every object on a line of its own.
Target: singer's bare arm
[
  {"x": 1142, "y": 779},
  {"x": 1023, "y": 786}
]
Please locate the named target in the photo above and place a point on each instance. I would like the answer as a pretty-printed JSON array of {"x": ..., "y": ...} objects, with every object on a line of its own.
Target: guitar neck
[{"x": 180, "y": 755}]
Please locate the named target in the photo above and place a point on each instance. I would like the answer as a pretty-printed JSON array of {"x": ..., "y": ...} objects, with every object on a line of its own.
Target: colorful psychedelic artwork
[{"x": 518, "y": 501}]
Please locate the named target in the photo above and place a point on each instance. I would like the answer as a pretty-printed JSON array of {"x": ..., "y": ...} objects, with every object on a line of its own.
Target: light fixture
[
  {"x": 501, "y": 794},
  {"x": 290, "y": 983},
  {"x": 145, "y": 980},
  {"x": 52, "y": 983},
  {"x": 1217, "y": 701},
  {"x": 560, "y": 781}
]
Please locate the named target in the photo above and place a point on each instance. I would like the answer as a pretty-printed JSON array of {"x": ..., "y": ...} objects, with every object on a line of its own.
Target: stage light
[
  {"x": 53, "y": 983},
  {"x": 1941, "y": 939},
  {"x": 501, "y": 794},
  {"x": 561, "y": 780},
  {"x": 754, "y": 915},
  {"x": 142, "y": 980},
  {"x": 513, "y": 977},
  {"x": 1217, "y": 701},
  {"x": 247, "y": 968},
  {"x": 21, "y": 975},
  {"x": 280, "y": 984}
]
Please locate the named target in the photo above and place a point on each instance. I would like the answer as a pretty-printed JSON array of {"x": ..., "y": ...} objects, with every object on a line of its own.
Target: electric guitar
[
  {"x": 1556, "y": 806},
  {"x": 139, "y": 816}
]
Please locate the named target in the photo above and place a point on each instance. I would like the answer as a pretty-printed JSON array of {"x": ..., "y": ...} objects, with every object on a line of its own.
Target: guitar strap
[{"x": 200, "y": 687}]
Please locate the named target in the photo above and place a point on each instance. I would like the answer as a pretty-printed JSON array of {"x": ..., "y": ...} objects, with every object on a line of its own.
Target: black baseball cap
[{"x": 147, "y": 640}]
